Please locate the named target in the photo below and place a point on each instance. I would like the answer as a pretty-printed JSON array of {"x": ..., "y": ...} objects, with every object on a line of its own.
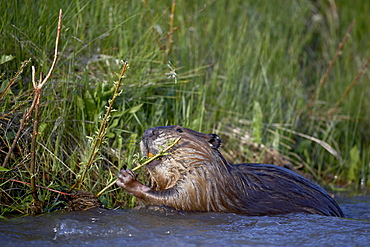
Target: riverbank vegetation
[{"x": 289, "y": 80}]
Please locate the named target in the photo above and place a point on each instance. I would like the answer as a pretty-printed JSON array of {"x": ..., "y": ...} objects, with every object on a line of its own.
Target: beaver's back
[{"x": 269, "y": 189}]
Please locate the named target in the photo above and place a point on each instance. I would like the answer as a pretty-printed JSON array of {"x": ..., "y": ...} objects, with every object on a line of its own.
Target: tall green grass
[{"x": 250, "y": 66}]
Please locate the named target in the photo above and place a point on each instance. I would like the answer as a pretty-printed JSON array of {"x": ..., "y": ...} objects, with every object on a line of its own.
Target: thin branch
[
  {"x": 101, "y": 133},
  {"x": 34, "y": 137},
  {"x": 162, "y": 153},
  {"x": 36, "y": 105}
]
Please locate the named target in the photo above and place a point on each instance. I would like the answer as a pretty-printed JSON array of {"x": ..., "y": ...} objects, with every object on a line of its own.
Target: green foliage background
[{"x": 236, "y": 67}]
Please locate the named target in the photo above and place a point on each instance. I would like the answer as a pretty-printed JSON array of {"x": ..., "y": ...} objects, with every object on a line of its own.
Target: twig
[
  {"x": 102, "y": 131},
  {"x": 353, "y": 83},
  {"x": 55, "y": 52},
  {"x": 336, "y": 55},
  {"x": 162, "y": 153},
  {"x": 36, "y": 104},
  {"x": 34, "y": 137}
]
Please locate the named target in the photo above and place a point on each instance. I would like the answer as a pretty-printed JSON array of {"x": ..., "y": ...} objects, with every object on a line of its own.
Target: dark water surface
[{"x": 147, "y": 228}]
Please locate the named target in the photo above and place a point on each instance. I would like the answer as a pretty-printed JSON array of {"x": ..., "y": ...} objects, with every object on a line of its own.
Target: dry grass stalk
[
  {"x": 327, "y": 73},
  {"x": 12, "y": 81},
  {"x": 353, "y": 83},
  {"x": 170, "y": 37}
]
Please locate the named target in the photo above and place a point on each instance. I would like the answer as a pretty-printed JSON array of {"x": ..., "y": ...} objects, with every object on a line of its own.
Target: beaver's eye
[
  {"x": 215, "y": 141},
  {"x": 179, "y": 130}
]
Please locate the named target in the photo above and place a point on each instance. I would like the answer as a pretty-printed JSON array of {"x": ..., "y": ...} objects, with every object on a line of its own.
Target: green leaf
[
  {"x": 6, "y": 58},
  {"x": 42, "y": 127},
  {"x": 354, "y": 164},
  {"x": 135, "y": 108},
  {"x": 92, "y": 109},
  {"x": 3, "y": 169},
  {"x": 110, "y": 135},
  {"x": 80, "y": 102},
  {"x": 257, "y": 122}
]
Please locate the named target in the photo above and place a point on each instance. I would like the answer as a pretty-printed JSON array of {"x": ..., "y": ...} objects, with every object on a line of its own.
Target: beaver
[{"x": 194, "y": 176}]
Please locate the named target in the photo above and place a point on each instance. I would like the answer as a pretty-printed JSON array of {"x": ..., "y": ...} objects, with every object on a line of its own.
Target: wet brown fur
[{"x": 196, "y": 177}]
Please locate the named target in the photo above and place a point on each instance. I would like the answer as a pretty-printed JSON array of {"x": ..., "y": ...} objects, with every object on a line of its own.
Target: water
[{"x": 103, "y": 227}]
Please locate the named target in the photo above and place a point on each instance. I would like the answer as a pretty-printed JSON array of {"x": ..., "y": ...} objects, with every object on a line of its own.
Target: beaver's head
[{"x": 194, "y": 151}]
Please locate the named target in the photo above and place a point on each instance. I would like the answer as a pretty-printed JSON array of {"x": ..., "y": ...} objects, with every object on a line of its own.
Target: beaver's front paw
[{"x": 126, "y": 179}]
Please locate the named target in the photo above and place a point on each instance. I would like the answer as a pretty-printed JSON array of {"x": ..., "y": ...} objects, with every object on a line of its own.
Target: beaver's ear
[{"x": 214, "y": 141}]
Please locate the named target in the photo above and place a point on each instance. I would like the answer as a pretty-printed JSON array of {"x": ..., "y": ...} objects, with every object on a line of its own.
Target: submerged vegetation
[{"x": 261, "y": 74}]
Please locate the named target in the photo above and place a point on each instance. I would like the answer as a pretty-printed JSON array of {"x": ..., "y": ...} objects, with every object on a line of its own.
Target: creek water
[{"x": 102, "y": 227}]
